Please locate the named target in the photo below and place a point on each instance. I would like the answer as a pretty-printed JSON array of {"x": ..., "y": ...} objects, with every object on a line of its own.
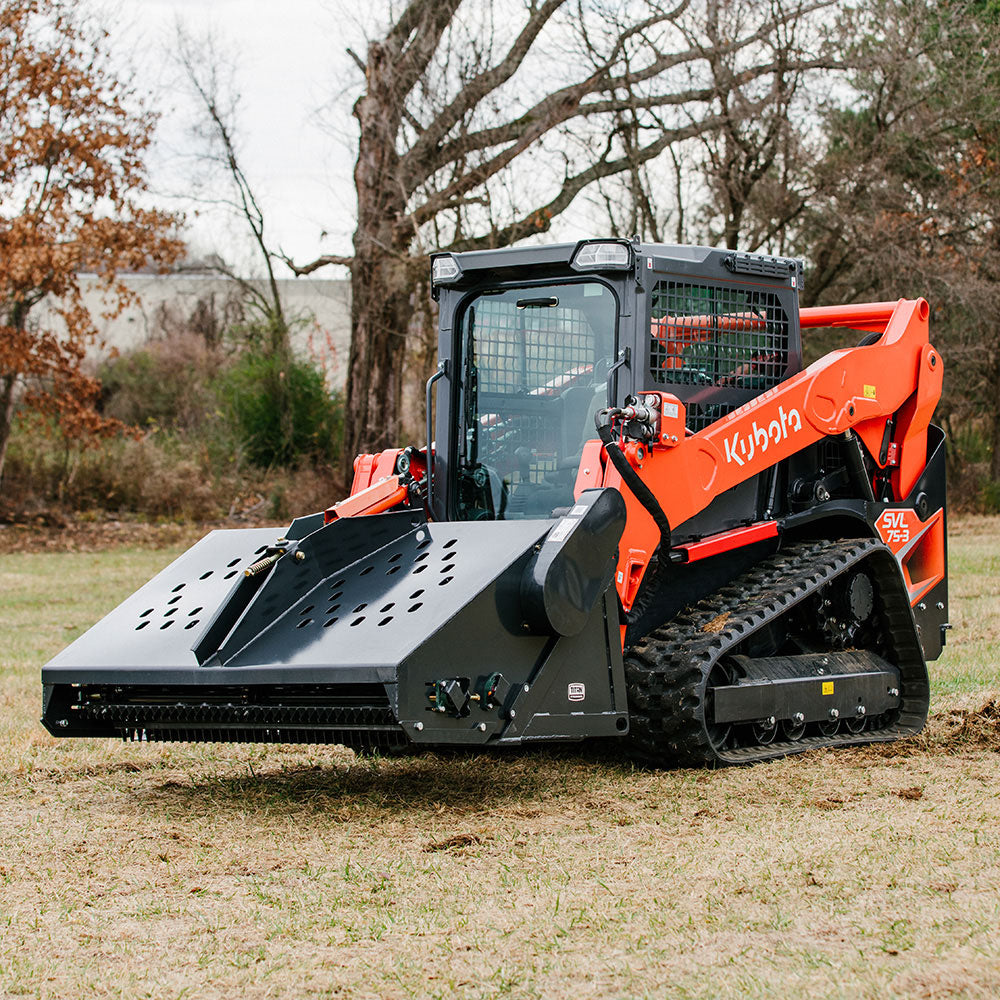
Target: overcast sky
[
  {"x": 291, "y": 59},
  {"x": 297, "y": 135}
]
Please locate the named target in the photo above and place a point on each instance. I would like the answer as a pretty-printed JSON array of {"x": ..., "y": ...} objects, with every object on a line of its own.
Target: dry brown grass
[{"x": 145, "y": 871}]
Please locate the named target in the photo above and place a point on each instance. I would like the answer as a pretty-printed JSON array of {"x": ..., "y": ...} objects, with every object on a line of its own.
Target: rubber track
[{"x": 667, "y": 671}]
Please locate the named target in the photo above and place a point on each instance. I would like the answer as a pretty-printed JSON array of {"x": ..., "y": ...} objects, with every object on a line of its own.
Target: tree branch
[
  {"x": 425, "y": 158},
  {"x": 480, "y": 86},
  {"x": 414, "y": 39},
  {"x": 558, "y": 109},
  {"x": 358, "y": 61},
  {"x": 540, "y": 219},
  {"x": 302, "y": 269}
]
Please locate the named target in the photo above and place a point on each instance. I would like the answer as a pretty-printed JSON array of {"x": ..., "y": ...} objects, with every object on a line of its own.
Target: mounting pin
[
  {"x": 527, "y": 688},
  {"x": 418, "y": 726},
  {"x": 893, "y": 692},
  {"x": 299, "y": 556},
  {"x": 861, "y": 710},
  {"x": 798, "y": 718},
  {"x": 482, "y": 727},
  {"x": 834, "y": 713}
]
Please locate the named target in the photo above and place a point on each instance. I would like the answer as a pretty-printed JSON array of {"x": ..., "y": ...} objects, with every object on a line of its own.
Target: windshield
[{"x": 535, "y": 367}]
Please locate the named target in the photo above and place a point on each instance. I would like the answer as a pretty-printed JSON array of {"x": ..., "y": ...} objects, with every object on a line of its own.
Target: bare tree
[
  {"x": 742, "y": 182},
  {"x": 753, "y": 161},
  {"x": 474, "y": 136},
  {"x": 211, "y": 79}
]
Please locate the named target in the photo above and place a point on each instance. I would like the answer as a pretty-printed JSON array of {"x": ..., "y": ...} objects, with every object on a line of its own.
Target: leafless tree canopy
[
  {"x": 210, "y": 77},
  {"x": 492, "y": 118},
  {"x": 480, "y": 124}
]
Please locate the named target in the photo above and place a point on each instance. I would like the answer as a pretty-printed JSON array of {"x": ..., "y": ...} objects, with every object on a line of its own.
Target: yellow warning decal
[
  {"x": 827, "y": 687},
  {"x": 869, "y": 392}
]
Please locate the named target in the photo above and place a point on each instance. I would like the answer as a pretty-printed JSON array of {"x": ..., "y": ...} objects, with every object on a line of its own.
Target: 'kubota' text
[{"x": 741, "y": 448}]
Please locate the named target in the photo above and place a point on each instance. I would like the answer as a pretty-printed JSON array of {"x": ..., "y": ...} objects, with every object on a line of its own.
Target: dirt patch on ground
[
  {"x": 965, "y": 729},
  {"x": 456, "y": 842},
  {"x": 954, "y": 730}
]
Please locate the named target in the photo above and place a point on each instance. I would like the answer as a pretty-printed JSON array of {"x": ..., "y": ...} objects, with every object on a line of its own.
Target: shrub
[
  {"x": 280, "y": 410},
  {"x": 167, "y": 383},
  {"x": 989, "y": 497},
  {"x": 160, "y": 476},
  {"x": 221, "y": 432}
]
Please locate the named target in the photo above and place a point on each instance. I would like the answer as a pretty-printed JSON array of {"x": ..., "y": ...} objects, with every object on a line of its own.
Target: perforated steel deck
[{"x": 330, "y": 617}]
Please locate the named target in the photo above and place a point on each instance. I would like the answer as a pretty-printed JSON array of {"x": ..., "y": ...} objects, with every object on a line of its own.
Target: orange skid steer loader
[{"x": 636, "y": 516}]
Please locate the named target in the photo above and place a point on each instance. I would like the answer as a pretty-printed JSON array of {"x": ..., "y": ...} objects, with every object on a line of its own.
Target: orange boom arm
[{"x": 855, "y": 389}]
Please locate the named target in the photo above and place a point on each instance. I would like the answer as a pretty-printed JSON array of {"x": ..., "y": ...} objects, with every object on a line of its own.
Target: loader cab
[{"x": 535, "y": 341}]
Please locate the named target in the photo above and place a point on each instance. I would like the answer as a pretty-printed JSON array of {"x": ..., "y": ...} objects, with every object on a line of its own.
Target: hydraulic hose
[
  {"x": 631, "y": 478},
  {"x": 645, "y": 496}
]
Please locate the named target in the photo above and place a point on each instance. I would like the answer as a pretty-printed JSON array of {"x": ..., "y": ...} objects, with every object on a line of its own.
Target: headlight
[
  {"x": 444, "y": 269},
  {"x": 601, "y": 255}
]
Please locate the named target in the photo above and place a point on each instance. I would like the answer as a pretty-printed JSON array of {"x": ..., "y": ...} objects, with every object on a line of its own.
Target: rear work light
[{"x": 602, "y": 255}]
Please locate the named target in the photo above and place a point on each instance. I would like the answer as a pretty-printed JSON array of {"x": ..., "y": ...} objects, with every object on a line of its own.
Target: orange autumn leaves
[{"x": 73, "y": 140}]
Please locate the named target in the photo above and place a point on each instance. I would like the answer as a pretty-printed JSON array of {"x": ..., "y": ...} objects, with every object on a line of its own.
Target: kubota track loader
[{"x": 641, "y": 519}]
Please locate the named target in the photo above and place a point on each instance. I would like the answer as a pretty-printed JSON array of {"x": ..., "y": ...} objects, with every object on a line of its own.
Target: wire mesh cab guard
[{"x": 719, "y": 345}]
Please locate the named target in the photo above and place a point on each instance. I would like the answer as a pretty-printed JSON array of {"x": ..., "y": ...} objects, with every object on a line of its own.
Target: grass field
[{"x": 215, "y": 871}]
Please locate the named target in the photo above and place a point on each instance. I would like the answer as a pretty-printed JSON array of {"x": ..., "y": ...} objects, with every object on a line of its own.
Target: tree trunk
[
  {"x": 380, "y": 309},
  {"x": 732, "y": 234},
  {"x": 995, "y": 447},
  {"x": 7, "y": 384},
  {"x": 994, "y": 422},
  {"x": 734, "y": 219},
  {"x": 381, "y": 274}
]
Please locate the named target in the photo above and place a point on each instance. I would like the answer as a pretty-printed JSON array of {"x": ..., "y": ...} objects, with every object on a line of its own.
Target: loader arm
[{"x": 856, "y": 389}]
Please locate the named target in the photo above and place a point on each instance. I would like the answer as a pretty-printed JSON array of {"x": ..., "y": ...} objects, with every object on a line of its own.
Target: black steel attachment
[
  {"x": 572, "y": 568},
  {"x": 359, "y": 632}
]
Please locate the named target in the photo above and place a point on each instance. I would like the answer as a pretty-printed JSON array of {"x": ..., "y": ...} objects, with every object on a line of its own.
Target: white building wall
[{"x": 320, "y": 310}]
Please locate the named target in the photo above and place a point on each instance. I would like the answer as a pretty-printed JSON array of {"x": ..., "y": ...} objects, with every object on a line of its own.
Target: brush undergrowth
[{"x": 216, "y": 432}]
